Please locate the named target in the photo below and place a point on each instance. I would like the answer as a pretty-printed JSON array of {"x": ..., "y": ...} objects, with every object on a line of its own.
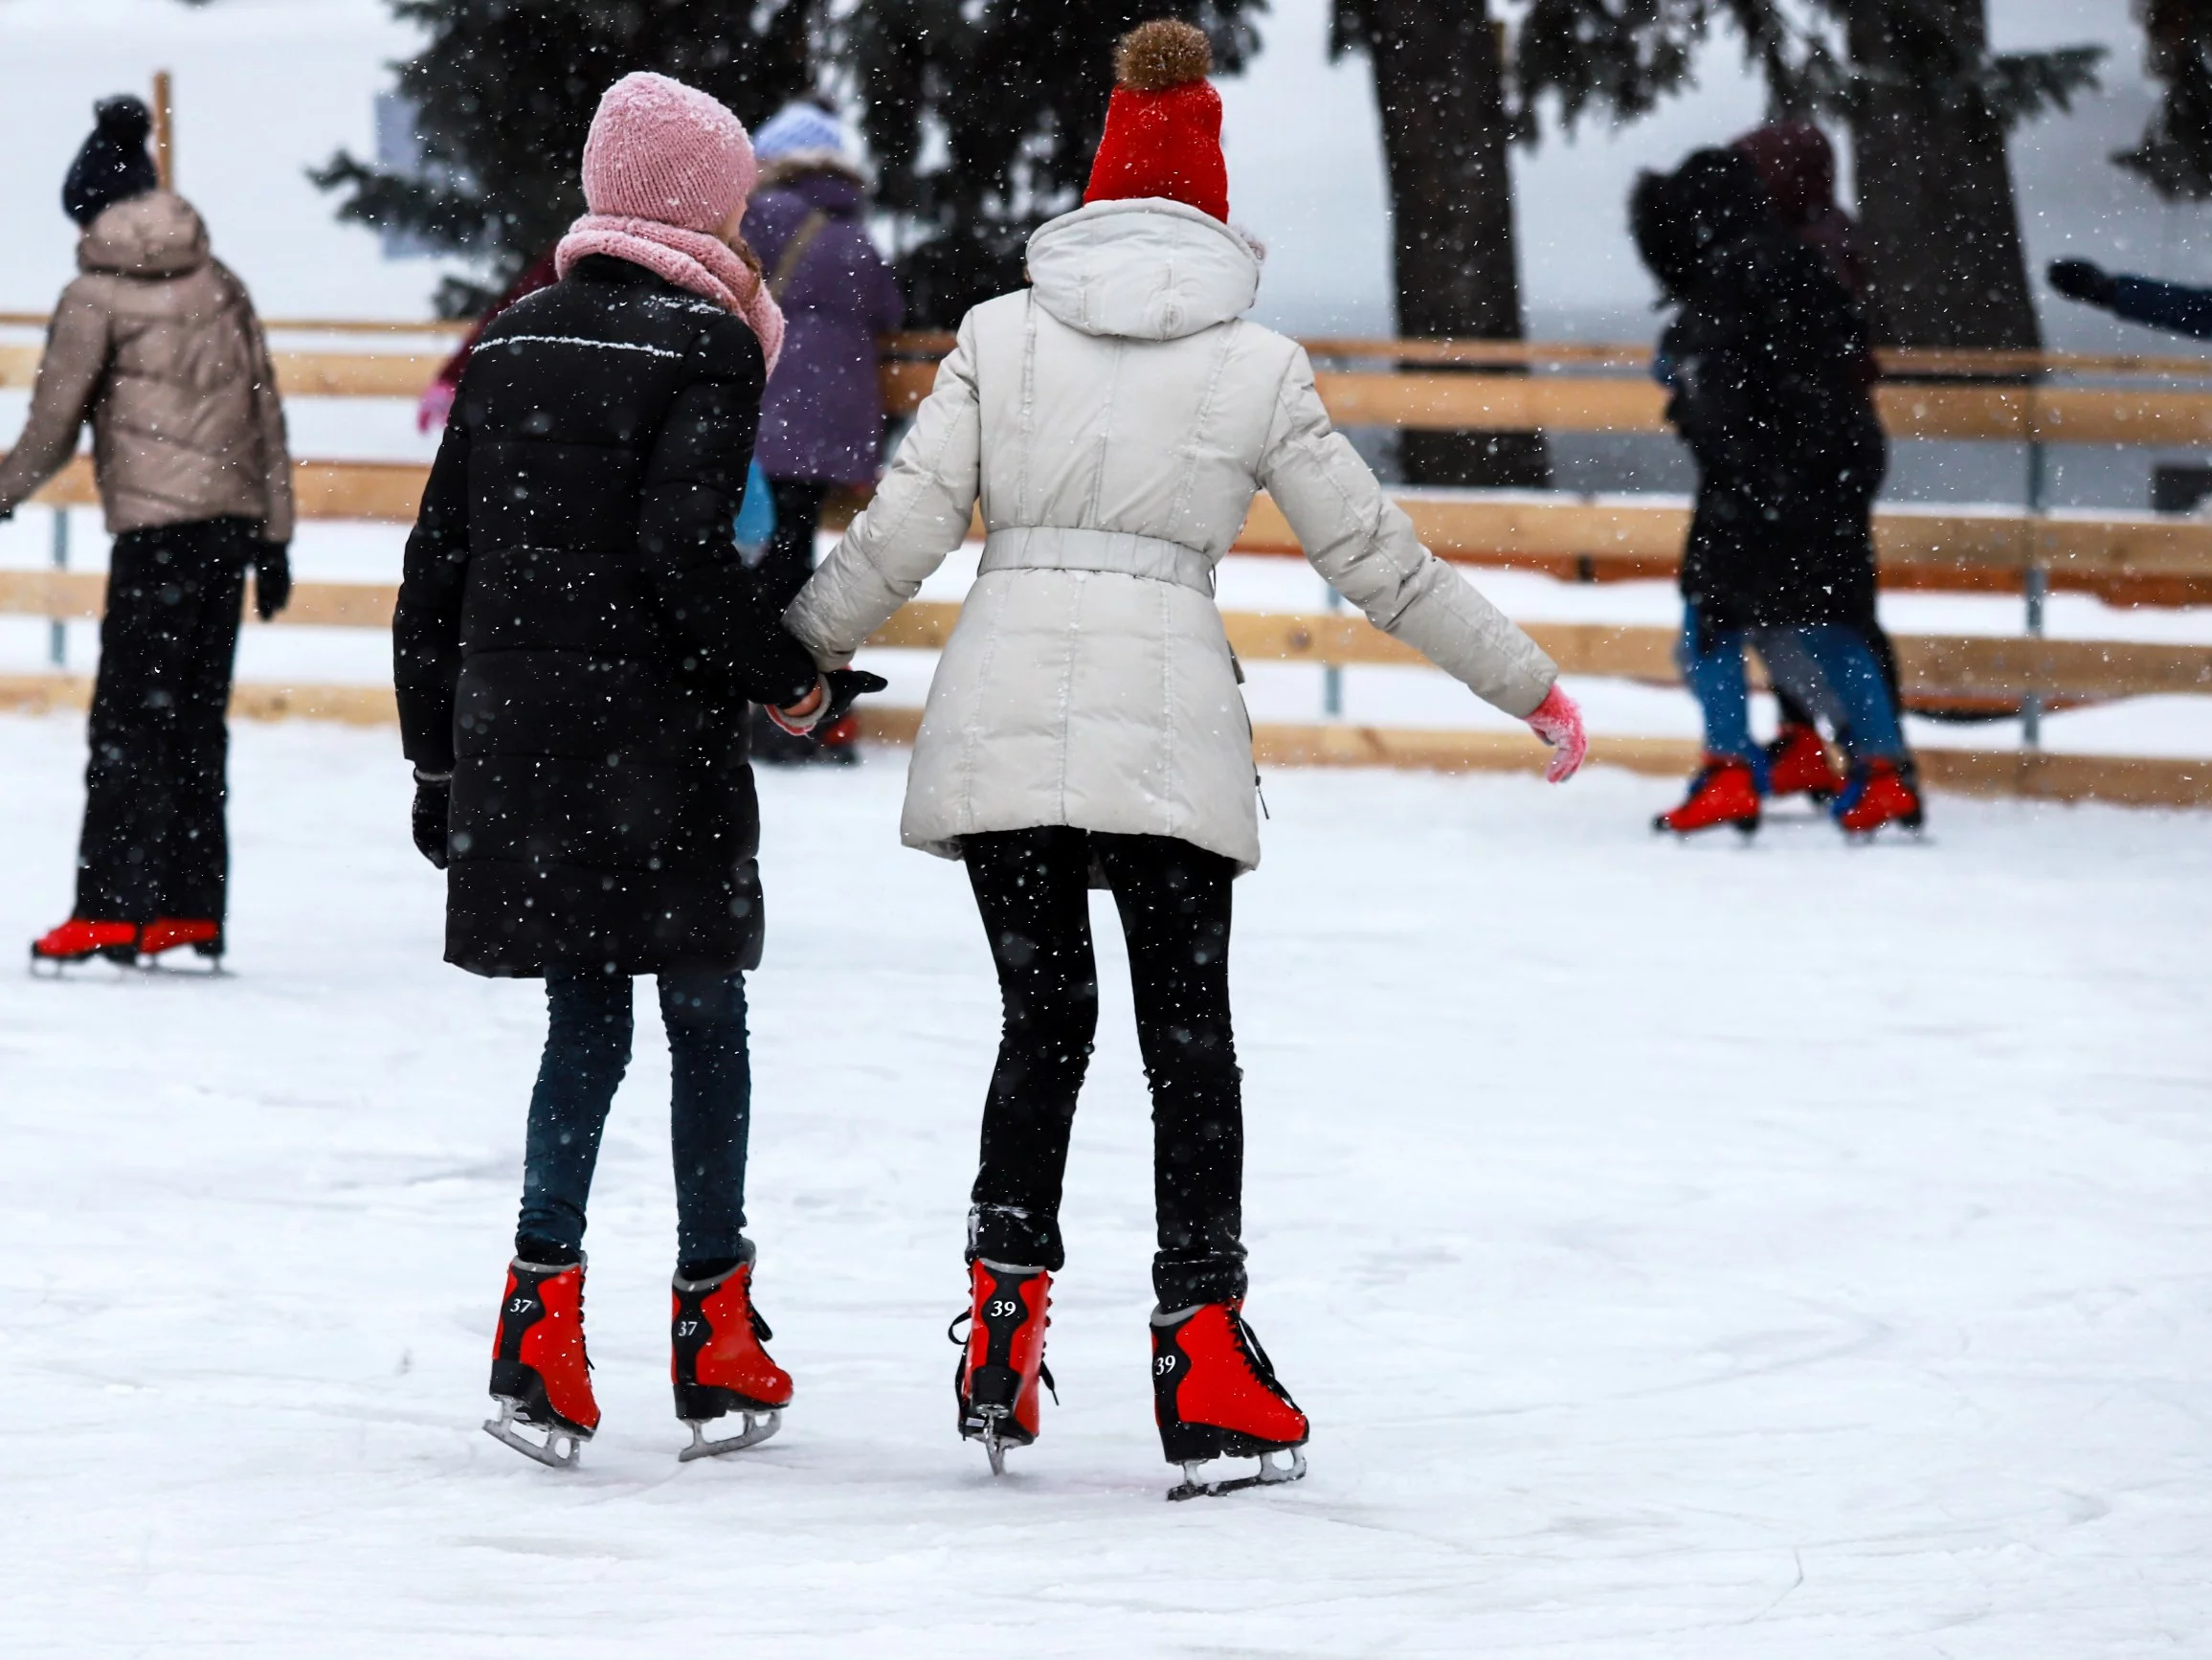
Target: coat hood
[
  {"x": 1149, "y": 269},
  {"x": 1797, "y": 165},
  {"x": 1682, "y": 221},
  {"x": 157, "y": 235}
]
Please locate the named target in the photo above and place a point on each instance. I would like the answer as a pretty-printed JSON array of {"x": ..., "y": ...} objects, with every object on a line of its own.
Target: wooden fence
[{"x": 1958, "y": 547}]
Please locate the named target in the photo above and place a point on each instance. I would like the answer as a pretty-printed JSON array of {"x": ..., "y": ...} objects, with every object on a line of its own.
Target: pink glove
[
  {"x": 1558, "y": 722},
  {"x": 436, "y": 404}
]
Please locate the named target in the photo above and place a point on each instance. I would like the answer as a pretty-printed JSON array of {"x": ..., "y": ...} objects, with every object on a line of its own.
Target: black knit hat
[{"x": 113, "y": 165}]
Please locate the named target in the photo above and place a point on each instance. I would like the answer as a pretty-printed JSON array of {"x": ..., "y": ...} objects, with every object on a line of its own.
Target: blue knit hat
[{"x": 799, "y": 127}]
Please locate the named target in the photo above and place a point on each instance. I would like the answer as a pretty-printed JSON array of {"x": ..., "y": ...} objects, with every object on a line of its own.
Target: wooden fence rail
[
  {"x": 1481, "y": 529},
  {"x": 1475, "y": 402},
  {"x": 1930, "y": 667}
]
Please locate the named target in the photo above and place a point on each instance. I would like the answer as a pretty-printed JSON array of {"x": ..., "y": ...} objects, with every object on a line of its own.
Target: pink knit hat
[
  {"x": 662, "y": 150},
  {"x": 665, "y": 168}
]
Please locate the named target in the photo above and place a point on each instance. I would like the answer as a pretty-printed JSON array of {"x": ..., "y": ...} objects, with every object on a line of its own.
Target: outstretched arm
[
  {"x": 1365, "y": 547},
  {"x": 68, "y": 376},
  {"x": 2173, "y": 307},
  {"x": 920, "y": 514}
]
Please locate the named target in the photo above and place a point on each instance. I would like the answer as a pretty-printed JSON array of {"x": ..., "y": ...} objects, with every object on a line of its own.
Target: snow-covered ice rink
[{"x": 1787, "y": 1252}]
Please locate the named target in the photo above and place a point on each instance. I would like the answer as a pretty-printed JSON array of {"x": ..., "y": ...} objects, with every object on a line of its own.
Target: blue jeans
[
  {"x": 1827, "y": 664},
  {"x": 586, "y": 1051}
]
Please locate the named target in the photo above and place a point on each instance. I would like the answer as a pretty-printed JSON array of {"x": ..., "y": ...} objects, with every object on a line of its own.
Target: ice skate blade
[
  {"x": 1268, "y": 1474},
  {"x": 993, "y": 1448},
  {"x": 557, "y": 1451},
  {"x": 758, "y": 1427}
]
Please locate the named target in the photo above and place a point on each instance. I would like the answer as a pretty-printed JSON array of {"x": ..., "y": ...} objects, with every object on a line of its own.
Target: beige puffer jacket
[
  {"x": 158, "y": 345},
  {"x": 1116, "y": 419}
]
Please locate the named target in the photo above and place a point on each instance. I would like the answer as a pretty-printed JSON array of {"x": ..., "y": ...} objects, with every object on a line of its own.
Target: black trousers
[
  {"x": 1033, "y": 889},
  {"x": 154, "y": 843},
  {"x": 789, "y": 559},
  {"x": 785, "y": 565}
]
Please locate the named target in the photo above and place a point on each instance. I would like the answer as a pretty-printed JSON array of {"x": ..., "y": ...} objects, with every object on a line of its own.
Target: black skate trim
[
  {"x": 704, "y": 1402},
  {"x": 521, "y": 1388}
]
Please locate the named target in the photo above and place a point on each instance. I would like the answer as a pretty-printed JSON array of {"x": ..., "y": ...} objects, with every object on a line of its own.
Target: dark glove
[
  {"x": 433, "y": 814},
  {"x": 847, "y": 686},
  {"x": 272, "y": 578},
  {"x": 2080, "y": 279}
]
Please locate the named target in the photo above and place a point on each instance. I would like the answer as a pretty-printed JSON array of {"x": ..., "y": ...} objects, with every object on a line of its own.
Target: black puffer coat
[
  {"x": 1766, "y": 361},
  {"x": 577, "y": 638}
]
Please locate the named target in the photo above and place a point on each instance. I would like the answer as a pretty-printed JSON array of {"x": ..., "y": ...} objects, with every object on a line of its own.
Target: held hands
[
  {"x": 823, "y": 708},
  {"x": 1558, "y": 721},
  {"x": 433, "y": 814},
  {"x": 2080, "y": 279}
]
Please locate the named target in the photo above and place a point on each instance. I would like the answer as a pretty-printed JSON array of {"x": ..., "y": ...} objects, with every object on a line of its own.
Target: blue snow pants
[{"x": 1827, "y": 664}]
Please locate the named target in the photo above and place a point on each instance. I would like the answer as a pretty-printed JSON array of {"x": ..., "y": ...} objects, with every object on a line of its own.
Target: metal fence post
[
  {"x": 1331, "y": 674},
  {"x": 2034, "y": 583},
  {"x": 57, "y": 635}
]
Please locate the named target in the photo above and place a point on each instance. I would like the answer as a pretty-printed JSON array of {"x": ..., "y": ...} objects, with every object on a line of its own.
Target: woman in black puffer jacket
[{"x": 576, "y": 647}]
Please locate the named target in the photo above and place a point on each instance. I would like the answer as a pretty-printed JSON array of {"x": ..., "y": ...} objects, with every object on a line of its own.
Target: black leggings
[{"x": 1032, "y": 888}]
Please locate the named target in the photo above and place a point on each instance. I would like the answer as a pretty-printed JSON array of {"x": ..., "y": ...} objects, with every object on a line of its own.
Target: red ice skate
[
  {"x": 1878, "y": 794},
  {"x": 541, "y": 1375},
  {"x": 1797, "y": 765},
  {"x": 718, "y": 1365},
  {"x": 1724, "y": 792},
  {"x": 169, "y": 932},
  {"x": 79, "y": 939},
  {"x": 996, "y": 1382},
  {"x": 1216, "y": 1396}
]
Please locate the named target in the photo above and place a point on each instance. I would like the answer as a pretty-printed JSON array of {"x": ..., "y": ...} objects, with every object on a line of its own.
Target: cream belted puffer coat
[{"x": 1116, "y": 420}]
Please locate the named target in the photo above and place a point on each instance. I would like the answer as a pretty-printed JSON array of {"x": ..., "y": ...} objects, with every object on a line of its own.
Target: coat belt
[{"x": 1123, "y": 552}]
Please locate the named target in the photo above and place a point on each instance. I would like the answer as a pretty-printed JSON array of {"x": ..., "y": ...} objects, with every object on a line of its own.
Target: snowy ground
[{"x": 1681, "y": 1250}]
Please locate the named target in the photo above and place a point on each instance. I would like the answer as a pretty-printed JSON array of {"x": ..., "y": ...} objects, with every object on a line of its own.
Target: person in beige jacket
[
  {"x": 1114, "y": 421},
  {"x": 156, "y": 344}
]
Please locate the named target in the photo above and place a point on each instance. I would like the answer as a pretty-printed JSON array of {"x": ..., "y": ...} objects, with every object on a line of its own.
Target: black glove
[
  {"x": 2080, "y": 279},
  {"x": 846, "y": 686},
  {"x": 433, "y": 814},
  {"x": 272, "y": 578}
]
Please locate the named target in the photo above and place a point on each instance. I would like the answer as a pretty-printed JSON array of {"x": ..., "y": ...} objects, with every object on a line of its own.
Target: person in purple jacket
[{"x": 821, "y": 420}]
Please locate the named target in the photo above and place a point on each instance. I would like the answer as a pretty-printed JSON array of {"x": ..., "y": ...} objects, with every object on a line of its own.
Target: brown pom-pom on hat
[
  {"x": 1155, "y": 56},
  {"x": 1163, "y": 130}
]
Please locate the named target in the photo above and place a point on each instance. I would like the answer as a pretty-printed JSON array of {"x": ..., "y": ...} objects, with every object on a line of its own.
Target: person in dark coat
[
  {"x": 1796, "y": 165},
  {"x": 575, "y": 646},
  {"x": 1763, "y": 363},
  {"x": 156, "y": 346},
  {"x": 821, "y": 422},
  {"x": 2177, "y": 307}
]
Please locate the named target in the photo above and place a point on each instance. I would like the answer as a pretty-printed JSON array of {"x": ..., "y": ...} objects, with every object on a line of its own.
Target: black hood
[{"x": 1682, "y": 219}]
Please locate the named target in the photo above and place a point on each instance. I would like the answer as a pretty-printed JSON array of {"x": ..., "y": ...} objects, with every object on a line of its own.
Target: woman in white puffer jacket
[{"x": 1115, "y": 421}]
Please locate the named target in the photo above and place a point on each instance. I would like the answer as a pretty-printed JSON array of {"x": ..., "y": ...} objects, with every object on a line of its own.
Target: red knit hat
[{"x": 1163, "y": 131}]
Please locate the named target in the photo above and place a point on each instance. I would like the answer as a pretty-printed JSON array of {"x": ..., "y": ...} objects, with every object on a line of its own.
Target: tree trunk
[
  {"x": 1935, "y": 202},
  {"x": 1441, "y": 94}
]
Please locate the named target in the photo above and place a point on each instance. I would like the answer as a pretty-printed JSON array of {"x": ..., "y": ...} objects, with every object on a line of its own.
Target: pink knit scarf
[{"x": 694, "y": 261}]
